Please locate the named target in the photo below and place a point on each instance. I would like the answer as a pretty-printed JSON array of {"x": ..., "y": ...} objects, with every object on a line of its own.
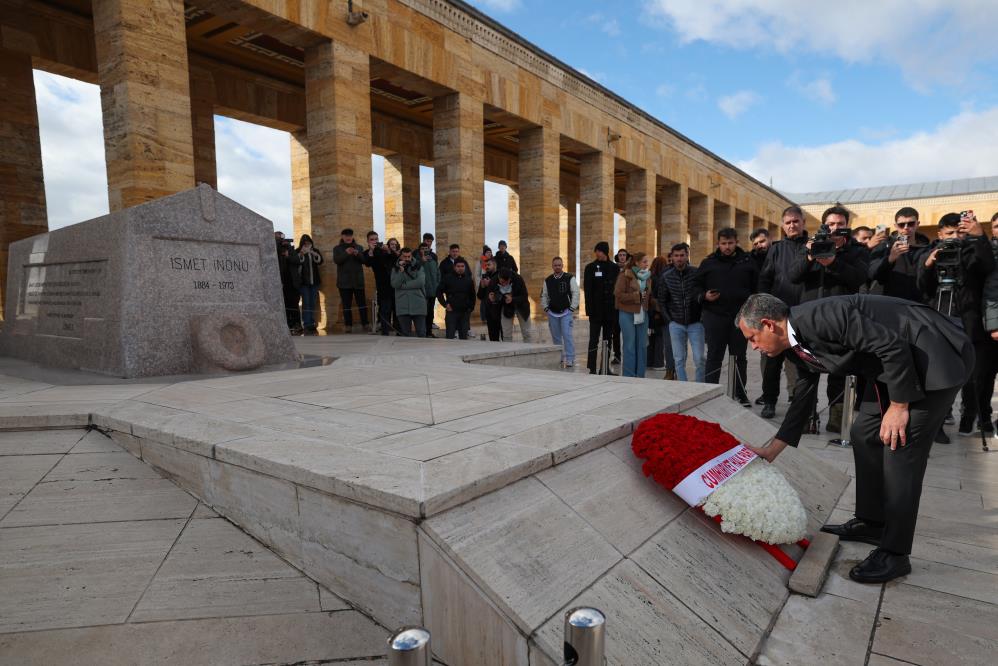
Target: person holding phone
[
  {"x": 724, "y": 281},
  {"x": 894, "y": 261}
]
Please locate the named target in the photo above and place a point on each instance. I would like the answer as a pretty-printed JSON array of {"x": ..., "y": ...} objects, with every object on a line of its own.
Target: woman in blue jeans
[
  {"x": 633, "y": 294},
  {"x": 308, "y": 260}
]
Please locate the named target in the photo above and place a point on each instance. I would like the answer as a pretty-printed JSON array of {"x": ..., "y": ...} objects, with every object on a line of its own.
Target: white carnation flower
[{"x": 759, "y": 503}]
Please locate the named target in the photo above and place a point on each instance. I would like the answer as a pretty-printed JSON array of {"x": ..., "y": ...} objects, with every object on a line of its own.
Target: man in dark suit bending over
[{"x": 914, "y": 361}]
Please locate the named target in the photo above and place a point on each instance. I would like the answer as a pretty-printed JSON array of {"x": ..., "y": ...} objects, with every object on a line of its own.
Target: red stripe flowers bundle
[{"x": 708, "y": 468}]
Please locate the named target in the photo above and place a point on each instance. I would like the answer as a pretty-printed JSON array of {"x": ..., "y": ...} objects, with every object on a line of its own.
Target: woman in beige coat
[{"x": 632, "y": 293}]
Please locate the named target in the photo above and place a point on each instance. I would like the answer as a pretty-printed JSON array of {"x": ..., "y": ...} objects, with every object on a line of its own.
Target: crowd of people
[{"x": 657, "y": 312}]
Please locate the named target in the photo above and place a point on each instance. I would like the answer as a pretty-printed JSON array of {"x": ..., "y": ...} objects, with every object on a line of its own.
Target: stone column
[
  {"x": 701, "y": 211},
  {"x": 724, "y": 216},
  {"x": 338, "y": 126},
  {"x": 564, "y": 220},
  {"x": 145, "y": 99},
  {"x": 203, "y": 127},
  {"x": 573, "y": 239},
  {"x": 675, "y": 217},
  {"x": 596, "y": 197},
  {"x": 402, "y": 218},
  {"x": 641, "y": 212},
  {"x": 459, "y": 173},
  {"x": 513, "y": 223},
  {"x": 540, "y": 159},
  {"x": 744, "y": 229},
  {"x": 301, "y": 192},
  {"x": 22, "y": 188},
  {"x": 621, "y": 232}
]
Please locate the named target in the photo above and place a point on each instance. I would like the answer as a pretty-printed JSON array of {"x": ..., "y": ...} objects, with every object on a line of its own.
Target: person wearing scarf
[{"x": 632, "y": 294}]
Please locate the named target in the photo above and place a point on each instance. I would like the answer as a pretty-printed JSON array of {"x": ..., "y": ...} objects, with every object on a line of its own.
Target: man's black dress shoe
[
  {"x": 856, "y": 529},
  {"x": 880, "y": 566},
  {"x": 761, "y": 400}
]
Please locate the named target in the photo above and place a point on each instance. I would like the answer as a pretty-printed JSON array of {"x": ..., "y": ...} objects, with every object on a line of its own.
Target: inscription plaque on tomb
[
  {"x": 59, "y": 296},
  {"x": 207, "y": 272},
  {"x": 158, "y": 289}
]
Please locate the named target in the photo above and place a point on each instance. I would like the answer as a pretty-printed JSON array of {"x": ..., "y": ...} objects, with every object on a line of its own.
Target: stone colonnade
[{"x": 159, "y": 97}]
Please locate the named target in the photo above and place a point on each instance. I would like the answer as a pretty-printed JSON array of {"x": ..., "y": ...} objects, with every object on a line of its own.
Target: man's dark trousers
[
  {"x": 386, "y": 308},
  {"x": 347, "y": 296},
  {"x": 458, "y": 322},
  {"x": 889, "y": 483},
  {"x": 976, "y": 394},
  {"x": 721, "y": 334},
  {"x": 431, "y": 304},
  {"x": 597, "y": 324}
]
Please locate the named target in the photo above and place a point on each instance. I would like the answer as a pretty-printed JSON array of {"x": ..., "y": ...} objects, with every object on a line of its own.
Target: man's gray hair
[{"x": 762, "y": 306}]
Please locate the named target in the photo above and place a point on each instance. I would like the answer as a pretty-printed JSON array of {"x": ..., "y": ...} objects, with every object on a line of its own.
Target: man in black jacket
[
  {"x": 894, "y": 262},
  {"x": 839, "y": 275},
  {"x": 504, "y": 259},
  {"x": 723, "y": 281},
  {"x": 760, "y": 247},
  {"x": 511, "y": 292},
  {"x": 349, "y": 259},
  {"x": 381, "y": 258},
  {"x": 682, "y": 311},
  {"x": 491, "y": 308},
  {"x": 453, "y": 256},
  {"x": 598, "y": 280},
  {"x": 962, "y": 299},
  {"x": 775, "y": 279},
  {"x": 457, "y": 294},
  {"x": 914, "y": 362}
]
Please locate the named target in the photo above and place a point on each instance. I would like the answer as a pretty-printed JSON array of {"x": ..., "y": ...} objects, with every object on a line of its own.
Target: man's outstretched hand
[{"x": 768, "y": 453}]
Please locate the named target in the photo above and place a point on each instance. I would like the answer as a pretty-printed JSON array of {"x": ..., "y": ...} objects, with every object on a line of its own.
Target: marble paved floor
[
  {"x": 135, "y": 570},
  {"x": 64, "y": 596}
]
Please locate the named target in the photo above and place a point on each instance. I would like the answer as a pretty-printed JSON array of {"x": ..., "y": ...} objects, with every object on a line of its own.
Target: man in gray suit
[{"x": 889, "y": 342}]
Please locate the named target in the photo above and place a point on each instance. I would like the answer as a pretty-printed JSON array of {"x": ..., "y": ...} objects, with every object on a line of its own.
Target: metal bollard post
[
  {"x": 732, "y": 377},
  {"x": 409, "y": 646},
  {"x": 585, "y": 637},
  {"x": 848, "y": 403}
]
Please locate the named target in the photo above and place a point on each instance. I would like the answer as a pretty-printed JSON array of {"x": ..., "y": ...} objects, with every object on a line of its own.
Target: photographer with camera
[
  {"x": 894, "y": 261},
  {"x": 457, "y": 294},
  {"x": 349, "y": 259},
  {"x": 307, "y": 261},
  {"x": 951, "y": 278},
  {"x": 408, "y": 279},
  {"x": 381, "y": 258},
  {"x": 290, "y": 282},
  {"x": 511, "y": 292},
  {"x": 831, "y": 264},
  {"x": 491, "y": 308},
  {"x": 774, "y": 278},
  {"x": 431, "y": 269}
]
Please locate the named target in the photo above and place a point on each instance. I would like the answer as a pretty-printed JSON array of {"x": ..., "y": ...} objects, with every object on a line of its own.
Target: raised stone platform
[{"x": 478, "y": 501}]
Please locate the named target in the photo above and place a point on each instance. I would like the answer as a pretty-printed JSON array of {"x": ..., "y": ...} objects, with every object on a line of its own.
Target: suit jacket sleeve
[{"x": 800, "y": 409}]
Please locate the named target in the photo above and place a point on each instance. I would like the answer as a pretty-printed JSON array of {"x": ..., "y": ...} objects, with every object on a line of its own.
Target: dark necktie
[{"x": 808, "y": 357}]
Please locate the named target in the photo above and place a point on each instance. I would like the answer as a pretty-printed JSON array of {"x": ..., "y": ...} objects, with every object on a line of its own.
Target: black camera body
[
  {"x": 823, "y": 241},
  {"x": 948, "y": 261}
]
